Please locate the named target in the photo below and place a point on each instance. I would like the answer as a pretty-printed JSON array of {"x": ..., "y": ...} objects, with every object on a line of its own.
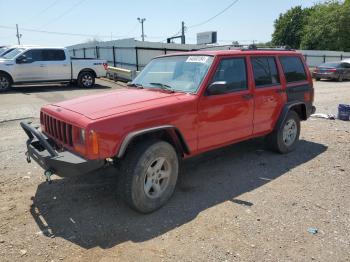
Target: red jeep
[{"x": 179, "y": 106}]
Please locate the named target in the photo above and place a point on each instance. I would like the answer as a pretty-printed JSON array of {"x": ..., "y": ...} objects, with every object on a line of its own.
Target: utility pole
[
  {"x": 18, "y": 35},
  {"x": 142, "y": 20},
  {"x": 183, "y": 38}
]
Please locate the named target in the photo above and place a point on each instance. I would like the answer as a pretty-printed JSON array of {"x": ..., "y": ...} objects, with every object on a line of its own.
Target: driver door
[
  {"x": 31, "y": 67},
  {"x": 228, "y": 116}
]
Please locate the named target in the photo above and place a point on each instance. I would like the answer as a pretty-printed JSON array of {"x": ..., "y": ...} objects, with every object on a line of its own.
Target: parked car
[
  {"x": 179, "y": 106},
  {"x": 26, "y": 65},
  {"x": 333, "y": 71}
]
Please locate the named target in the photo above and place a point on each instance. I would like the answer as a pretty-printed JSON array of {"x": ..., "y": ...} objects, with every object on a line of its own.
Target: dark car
[{"x": 332, "y": 70}]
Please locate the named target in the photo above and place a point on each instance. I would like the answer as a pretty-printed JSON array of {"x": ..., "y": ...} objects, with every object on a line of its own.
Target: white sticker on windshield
[{"x": 197, "y": 59}]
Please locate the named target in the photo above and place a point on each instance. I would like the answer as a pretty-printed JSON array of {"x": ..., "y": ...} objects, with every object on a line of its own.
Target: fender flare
[
  {"x": 287, "y": 107},
  {"x": 175, "y": 133}
]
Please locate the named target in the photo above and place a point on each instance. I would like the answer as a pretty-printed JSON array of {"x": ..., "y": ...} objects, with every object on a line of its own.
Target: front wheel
[
  {"x": 5, "y": 82},
  {"x": 149, "y": 174},
  {"x": 285, "y": 139},
  {"x": 86, "y": 79}
]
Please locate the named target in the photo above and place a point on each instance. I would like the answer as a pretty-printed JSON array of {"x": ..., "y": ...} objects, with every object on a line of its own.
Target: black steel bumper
[{"x": 63, "y": 164}]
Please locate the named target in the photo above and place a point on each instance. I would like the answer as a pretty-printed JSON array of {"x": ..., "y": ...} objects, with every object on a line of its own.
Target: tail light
[
  {"x": 105, "y": 65},
  {"x": 332, "y": 70}
]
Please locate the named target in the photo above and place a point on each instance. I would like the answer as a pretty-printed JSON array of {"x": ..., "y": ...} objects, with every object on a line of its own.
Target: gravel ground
[{"x": 240, "y": 203}]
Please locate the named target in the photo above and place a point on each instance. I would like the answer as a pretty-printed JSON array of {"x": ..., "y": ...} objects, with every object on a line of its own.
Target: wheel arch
[
  {"x": 297, "y": 106},
  {"x": 6, "y": 73},
  {"x": 167, "y": 133},
  {"x": 87, "y": 70}
]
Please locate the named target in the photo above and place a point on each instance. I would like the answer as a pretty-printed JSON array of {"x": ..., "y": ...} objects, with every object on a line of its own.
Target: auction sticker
[{"x": 197, "y": 59}]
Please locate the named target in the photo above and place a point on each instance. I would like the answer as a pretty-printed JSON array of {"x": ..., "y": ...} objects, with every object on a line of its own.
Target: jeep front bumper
[{"x": 62, "y": 163}]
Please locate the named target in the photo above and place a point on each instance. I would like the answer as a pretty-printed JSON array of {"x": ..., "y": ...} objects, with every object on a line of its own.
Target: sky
[{"x": 245, "y": 21}]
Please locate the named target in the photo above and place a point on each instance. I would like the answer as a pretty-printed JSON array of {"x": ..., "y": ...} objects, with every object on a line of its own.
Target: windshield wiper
[
  {"x": 163, "y": 86},
  {"x": 135, "y": 85}
]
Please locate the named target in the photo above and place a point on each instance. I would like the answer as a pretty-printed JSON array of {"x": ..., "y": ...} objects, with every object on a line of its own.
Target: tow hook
[
  {"x": 28, "y": 157},
  {"x": 48, "y": 174}
]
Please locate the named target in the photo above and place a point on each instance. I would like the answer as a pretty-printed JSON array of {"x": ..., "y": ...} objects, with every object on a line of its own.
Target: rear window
[
  {"x": 330, "y": 65},
  {"x": 293, "y": 68},
  {"x": 54, "y": 55}
]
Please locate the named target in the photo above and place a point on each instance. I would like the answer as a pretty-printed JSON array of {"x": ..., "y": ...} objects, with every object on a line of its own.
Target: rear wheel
[
  {"x": 340, "y": 78},
  {"x": 317, "y": 79},
  {"x": 86, "y": 79},
  {"x": 286, "y": 138},
  {"x": 149, "y": 174},
  {"x": 5, "y": 82}
]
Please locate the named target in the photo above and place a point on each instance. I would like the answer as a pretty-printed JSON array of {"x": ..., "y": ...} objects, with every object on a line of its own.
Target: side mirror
[
  {"x": 217, "y": 88},
  {"x": 23, "y": 60}
]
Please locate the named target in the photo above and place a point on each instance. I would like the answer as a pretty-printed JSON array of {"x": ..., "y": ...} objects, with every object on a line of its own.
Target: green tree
[
  {"x": 328, "y": 27},
  {"x": 289, "y": 27}
]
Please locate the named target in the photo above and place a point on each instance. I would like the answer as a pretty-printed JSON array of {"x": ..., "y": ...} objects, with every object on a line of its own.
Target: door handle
[
  {"x": 42, "y": 65},
  {"x": 247, "y": 96},
  {"x": 65, "y": 65}
]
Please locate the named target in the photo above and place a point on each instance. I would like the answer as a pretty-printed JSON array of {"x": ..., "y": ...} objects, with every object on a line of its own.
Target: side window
[
  {"x": 33, "y": 55},
  {"x": 265, "y": 71},
  {"x": 293, "y": 68},
  {"x": 345, "y": 65},
  {"x": 54, "y": 55},
  {"x": 233, "y": 71}
]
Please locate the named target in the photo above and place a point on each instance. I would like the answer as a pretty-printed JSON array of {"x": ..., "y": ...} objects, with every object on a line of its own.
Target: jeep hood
[{"x": 117, "y": 102}]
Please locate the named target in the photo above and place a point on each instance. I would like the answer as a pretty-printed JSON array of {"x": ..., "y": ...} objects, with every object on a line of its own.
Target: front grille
[{"x": 57, "y": 129}]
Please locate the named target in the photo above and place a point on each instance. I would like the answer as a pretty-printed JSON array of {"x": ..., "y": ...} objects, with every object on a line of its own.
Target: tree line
[{"x": 324, "y": 26}]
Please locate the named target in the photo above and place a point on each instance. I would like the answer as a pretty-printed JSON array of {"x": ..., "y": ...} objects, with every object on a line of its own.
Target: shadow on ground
[{"x": 86, "y": 211}]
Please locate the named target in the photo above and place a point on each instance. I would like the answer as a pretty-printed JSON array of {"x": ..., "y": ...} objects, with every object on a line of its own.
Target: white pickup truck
[{"x": 30, "y": 65}]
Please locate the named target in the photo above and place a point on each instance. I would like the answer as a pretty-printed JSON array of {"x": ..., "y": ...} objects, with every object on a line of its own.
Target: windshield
[
  {"x": 177, "y": 73},
  {"x": 3, "y": 49},
  {"x": 13, "y": 53}
]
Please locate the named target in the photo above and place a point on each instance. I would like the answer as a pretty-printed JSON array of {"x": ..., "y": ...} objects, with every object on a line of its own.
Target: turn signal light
[{"x": 94, "y": 142}]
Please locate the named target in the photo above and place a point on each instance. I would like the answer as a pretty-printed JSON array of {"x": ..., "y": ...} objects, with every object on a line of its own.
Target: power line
[
  {"x": 54, "y": 33},
  {"x": 215, "y": 16},
  {"x": 63, "y": 14},
  {"x": 42, "y": 11}
]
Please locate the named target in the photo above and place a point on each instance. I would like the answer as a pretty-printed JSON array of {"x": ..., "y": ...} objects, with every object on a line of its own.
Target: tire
[
  {"x": 340, "y": 78},
  {"x": 5, "y": 83},
  {"x": 140, "y": 184},
  {"x": 285, "y": 139},
  {"x": 86, "y": 79},
  {"x": 317, "y": 79}
]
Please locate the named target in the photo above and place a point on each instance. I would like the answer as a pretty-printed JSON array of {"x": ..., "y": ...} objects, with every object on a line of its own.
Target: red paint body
[{"x": 205, "y": 122}]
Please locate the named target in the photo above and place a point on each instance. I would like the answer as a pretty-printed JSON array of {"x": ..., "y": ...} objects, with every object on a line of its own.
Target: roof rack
[{"x": 279, "y": 48}]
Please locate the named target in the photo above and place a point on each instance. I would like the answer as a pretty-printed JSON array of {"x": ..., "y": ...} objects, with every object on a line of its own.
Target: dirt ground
[{"x": 240, "y": 203}]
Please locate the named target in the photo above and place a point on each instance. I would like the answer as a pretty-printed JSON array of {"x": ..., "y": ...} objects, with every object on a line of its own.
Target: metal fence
[
  {"x": 135, "y": 58},
  {"x": 315, "y": 60}
]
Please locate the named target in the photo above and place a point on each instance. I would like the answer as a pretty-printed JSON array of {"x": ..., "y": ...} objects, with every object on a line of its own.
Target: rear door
[
  {"x": 298, "y": 81},
  {"x": 228, "y": 116},
  {"x": 269, "y": 94},
  {"x": 30, "y": 67},
  {"x": 58, "y": 65}
]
